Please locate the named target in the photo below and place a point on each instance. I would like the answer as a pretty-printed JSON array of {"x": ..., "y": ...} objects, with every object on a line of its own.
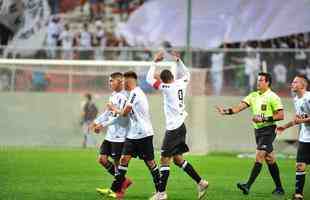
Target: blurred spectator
[
  {"x": 123, "y": 7},
  {"x": 100, "y": 41},
  {"x": 39, "y": 81},
  {"x": 67, "y": 39},
  {"x": 54, "y": 30},
  {"x": 54, "y": 5},
  {"x": 5, "y": 79},
  {"x": 280, "y": 73},
  {"x": 216, "y": 70},
  {"x": 86, "y": 43},
  {"x": 89, "y": 113},
  {"x": 97, "y": 9}
]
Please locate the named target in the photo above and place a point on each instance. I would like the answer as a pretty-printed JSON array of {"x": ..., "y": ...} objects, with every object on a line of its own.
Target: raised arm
[
  {"x": 182, "y": 71},
  {"x": 150, "y": 77},
  {"x": 232, "y": 110}
]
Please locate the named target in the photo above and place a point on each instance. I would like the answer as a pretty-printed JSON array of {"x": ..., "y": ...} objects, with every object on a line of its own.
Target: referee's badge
[{"x": 264, "y": 107}]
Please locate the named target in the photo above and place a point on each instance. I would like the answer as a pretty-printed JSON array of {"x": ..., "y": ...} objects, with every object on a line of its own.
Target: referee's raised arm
[{"x": 232, "y": 110}]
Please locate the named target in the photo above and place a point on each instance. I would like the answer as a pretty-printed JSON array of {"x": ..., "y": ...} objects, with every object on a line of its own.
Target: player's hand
[
  {"x": 159, "y": 56},
  {"x": 175, "y": 55},
  {"x": 298, "y": 119},
  {"x": 280, "y": 130},
  {"x": 95, "y": 127},
  {"x": 220, "y": 109},
  {"x": 111, "y": 107}
]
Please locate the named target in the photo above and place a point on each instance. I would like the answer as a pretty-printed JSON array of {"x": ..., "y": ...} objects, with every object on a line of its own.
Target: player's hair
[
  {"x": 131, "y": 74},
  {"x": 116, "y": 75},
  {"x": 267, "y": 76},
  {"x": 88, "y": 96},
  {"x": 166, "y": 76},
  {"x": 304, "y": 79}
]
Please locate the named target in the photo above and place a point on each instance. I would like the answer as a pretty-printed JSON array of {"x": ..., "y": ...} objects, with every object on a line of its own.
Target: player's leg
[
  {"x": 300, "y": 180},
  {"x": 145, "y": 151},
  {"x": 302, "y": 160},
  {"x": 107, "y": 164},
  {"x": 275, "y": 173},
  {"x": 190, "y": 170},
  {"x": 105, "y": 152},
  {"x": 257, "y": 167}
]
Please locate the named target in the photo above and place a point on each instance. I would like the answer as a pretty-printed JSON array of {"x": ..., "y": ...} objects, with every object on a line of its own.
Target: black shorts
[
  {"x": 142, "y": 148},
  {"x": 303, "y": 153},
  {"x": 174, "y": 142},
  {"x": 264, "y": 138},
  {"x": 113, "y": 149}
]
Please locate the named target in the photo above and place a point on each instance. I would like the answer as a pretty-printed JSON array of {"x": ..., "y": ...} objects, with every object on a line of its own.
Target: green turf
[{"x": 51, "y": 174}]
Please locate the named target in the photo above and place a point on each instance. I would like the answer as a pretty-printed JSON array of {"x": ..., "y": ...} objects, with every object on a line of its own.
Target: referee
[{"x": 266, "y": 109}]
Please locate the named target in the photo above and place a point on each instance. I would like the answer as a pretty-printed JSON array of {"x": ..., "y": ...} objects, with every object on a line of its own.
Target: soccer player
[
  {"x": 266, "y": 108},
  {"x": 139, "y": 139},
  {"x": 174, "y": 145},
  {"x": 302, "y": 118},
  {"x": 116, "y": 128}
]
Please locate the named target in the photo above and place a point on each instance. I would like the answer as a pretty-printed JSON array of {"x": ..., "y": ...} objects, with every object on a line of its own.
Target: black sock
[
  {"x": 119, "y": 178},
  {"x": 275, "y": 174},
  {"x": 300, "y": 182},
  {"x": 165, "y": 172},
  {"x": 110, "y": 168},
  {"x": 188, "y": 168},
  {"x": 255, "y": 172},
  {"x": 156, "y": 177}
]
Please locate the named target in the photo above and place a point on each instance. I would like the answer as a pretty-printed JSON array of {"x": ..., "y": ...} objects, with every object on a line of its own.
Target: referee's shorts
[
  {"x": 174, "y": 142},
  {"x": 264, "y": 138}
]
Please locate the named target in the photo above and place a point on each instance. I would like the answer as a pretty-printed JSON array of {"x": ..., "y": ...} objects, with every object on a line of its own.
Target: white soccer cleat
[
  {"x": 154, "y": 197},
  {"x": 202, "y": 188},
  {"x": 159, "y": 196}
]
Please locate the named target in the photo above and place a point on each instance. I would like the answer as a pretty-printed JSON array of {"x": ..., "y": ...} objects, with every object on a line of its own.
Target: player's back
[{"x": 174, "y": 102}]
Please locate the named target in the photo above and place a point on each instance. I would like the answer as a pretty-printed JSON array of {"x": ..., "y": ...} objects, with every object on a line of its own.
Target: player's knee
[
  {"x": 124, "y": 160},
  {"x": 269, "y": 160},
  {"x": 103, "y": 160},
  {"x": 178, "y": 161},
  {"x": 165, "y": 160},
  {"x": 151, "y": 164},
  {"x": 300, "y": 167},
  {"x": 260, "y": 156}
]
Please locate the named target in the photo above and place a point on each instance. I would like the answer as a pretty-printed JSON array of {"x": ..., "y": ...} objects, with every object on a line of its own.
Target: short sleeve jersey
[
  {"x": 265, "y": 104},
  {"x": 117, "y": 131},
  {"x": 140, "y": 125},
  {"x": 302, "y": 107},
  {"x": 174, "y": 102}
]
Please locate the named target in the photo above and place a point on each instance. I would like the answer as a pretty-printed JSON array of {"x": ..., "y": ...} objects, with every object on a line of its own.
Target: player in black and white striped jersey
[
  {"x": 302, "y": 118},
  {"x": 117, "y": 127},
  {"x": 174, "y": 144},
  {"x": 139, "y": 139}
]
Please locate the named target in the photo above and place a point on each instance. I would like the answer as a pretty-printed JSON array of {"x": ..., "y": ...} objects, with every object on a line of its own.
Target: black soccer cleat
[
  {"x": 278, "y": 192},
  {"x": 244, "y": 188}
]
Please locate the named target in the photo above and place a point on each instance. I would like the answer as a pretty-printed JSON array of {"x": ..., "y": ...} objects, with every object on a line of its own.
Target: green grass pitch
[{"x": 73, "y": 174}]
